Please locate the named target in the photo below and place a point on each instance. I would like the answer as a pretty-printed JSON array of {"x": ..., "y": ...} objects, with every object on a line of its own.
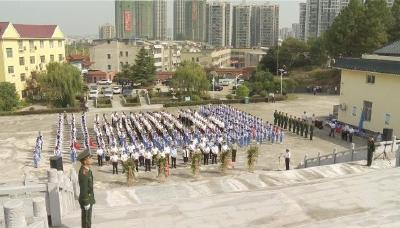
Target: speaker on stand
[
  {"x": 387, "y": 134},
  {"x": 56, "y": 163}
]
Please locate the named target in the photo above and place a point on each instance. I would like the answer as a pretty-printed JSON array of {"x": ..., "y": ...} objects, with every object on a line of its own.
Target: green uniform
[
  {"x": 275, "y": 117},
  {"x": 305, "y": 130},
  {"x": 370, "y": 150},
  {"x": 302, "y": 128},
  {"x": 86, "y": 196},
  {"x": 290, "y": 123},
  {"x": 297, "y": 127},
  {"x": 279, "y": 119},
  {"x": 311, "y": 131},
  {"x": 285, "y": 122},
  {"x": 294, "y": 121}
]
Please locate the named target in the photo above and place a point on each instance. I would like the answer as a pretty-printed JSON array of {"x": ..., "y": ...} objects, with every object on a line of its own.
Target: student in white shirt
[
  {"x": 114, "y": 161},
  {"x": 100, "y": 153},
  {"x": 173, "y": 157},
  {"x": 147, "y": 161}
]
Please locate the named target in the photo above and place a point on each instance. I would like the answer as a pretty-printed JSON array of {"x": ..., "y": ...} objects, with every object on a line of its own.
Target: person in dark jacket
[{"x": 86, "y": 196}]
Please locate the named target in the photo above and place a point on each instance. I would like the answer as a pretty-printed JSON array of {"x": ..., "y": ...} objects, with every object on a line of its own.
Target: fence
[
  {"x": 41, "y": 203},
  {"x": 358, "y": 154}
]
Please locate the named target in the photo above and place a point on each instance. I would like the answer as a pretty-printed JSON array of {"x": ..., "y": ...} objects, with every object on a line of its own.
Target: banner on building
[{"x": 127, "y": 20}]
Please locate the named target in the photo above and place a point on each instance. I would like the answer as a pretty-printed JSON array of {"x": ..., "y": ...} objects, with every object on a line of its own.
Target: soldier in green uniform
[
  {"x": 302, "y": 123},
  {"x": 306, "y": 127},
  {"x": 86, "y": 196},
  {"x": 285, "y": 122},
  {"x": 294, "y": 124},
  {"x": 298, "y": 122},
  {"x": 275, "y": 117},
  {"x": 311, "y": 131},
  {"x": 279, "y": 118},
  {"x": 370, "y": 150},
  {"x": 290, "y": 123}
]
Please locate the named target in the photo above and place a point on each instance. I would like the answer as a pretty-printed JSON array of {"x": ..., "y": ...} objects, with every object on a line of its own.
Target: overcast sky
[{"x": 82, "y": 18}]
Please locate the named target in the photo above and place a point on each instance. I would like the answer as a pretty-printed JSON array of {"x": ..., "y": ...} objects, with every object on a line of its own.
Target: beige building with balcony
[
  {"x": 209, "y": 58},
  {"x": 27, "y": 48},
  {"x": 369, "y": 88},
  {"x": 111, "y": 55}
]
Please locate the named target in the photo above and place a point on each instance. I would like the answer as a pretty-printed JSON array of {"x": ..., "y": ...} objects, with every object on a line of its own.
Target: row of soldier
[{"x": 302, "y": 126}]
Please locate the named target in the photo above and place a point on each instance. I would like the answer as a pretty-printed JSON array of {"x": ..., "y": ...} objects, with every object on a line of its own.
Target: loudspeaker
[
  {"x": 56, "y": 163},
  {"x": 387, "y": 134}
]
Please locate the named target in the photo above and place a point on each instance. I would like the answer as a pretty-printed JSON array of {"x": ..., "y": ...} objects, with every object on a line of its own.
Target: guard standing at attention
[{"x": 86, "y": 196}]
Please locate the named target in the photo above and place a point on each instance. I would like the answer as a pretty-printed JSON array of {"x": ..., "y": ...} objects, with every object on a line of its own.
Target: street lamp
[{"x": 277, "y": 61}]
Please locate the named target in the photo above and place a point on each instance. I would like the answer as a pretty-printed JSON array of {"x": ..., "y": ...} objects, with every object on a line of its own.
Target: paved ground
[
  {"x": 356, "y": 197},
  {"x": 17, "y": 139}
]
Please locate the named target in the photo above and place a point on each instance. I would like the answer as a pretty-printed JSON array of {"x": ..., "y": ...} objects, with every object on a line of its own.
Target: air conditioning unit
[{"x": 343, "y": 107}]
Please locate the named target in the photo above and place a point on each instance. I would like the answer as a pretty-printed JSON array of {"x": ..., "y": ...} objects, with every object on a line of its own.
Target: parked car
[
  {"x": 108, "y": 93},
  {"x": 217, "y": 88},
  {"x": 93, "y": 94},
  {"x": 116, "y": 90},
  {"x": 104, "y": 82}
]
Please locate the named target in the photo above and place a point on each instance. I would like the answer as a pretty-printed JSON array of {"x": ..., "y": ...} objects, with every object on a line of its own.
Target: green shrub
[
  {"x": 42, "y": 111},
  {"x": 263, "y": 93},
  {"x": 196, "y": 98},
  {"x": 229, "y": 96}
]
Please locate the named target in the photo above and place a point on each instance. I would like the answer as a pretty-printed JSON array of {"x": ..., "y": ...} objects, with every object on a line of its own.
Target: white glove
[{"x": 87, "y": 207}]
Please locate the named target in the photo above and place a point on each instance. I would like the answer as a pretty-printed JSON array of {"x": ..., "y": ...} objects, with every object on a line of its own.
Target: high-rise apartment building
[
  {"x": 302, "y": 21},
  {"x": 106, "y": 31},
  {"x": 296, "y": 30},
  {"x": 242, "y": 26},
  {"x": 217, "y": 31},
  {"x": 160, "y": 19},
  {"x": 140, "y": 19},
  {"x": 190, "y": 20},
  {"x": 269, "y": 25}
]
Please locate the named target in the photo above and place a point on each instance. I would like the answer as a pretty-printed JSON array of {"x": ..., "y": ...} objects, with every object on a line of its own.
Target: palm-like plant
[
  {"x": 225, "y": 158},
  {"x": 252, "y": 156},
  {"x": 130, "y": 169},
  {"x": 196, "y": 161}
]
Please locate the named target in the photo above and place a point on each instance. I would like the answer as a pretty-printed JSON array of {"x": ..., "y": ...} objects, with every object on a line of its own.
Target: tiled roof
[
  {"x": 3, "y": 26},
  {"x": 392, "y": 49},
  {"x": 371, "y": 65},
  {"x": 35, "y": 31}
]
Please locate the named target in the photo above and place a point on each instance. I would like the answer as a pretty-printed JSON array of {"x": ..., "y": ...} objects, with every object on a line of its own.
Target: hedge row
[
  {"x": 232, "y": 101},
  {"x": 41, "y": 111},
  {"x": 128, "y": 102},
  {"x": 103, "y": 103}
]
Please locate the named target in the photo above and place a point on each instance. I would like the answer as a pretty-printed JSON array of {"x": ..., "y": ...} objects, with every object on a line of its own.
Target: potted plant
[
  {"x": 252, "y": 157},
  {"x": 130, "y": 168},
  {"x": 196, "y": 161}
]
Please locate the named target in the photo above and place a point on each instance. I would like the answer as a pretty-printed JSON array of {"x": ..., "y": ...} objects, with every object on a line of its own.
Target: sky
[{"x": 83, "y": 17}]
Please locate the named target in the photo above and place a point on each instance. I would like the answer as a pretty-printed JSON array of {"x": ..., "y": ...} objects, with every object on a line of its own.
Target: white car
[
  {"x": 108, "y": 93},
  {"x": 117, "y": 90},
  {"x": 104, "y": 82},
  {"x": 93, "y": 94}
]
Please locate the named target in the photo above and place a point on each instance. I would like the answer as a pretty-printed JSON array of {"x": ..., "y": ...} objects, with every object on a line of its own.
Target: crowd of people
[
  {"x": 59, "y": 136},
  {"x": 144, "y": 136},
  {"x": 303, "y": 126}
]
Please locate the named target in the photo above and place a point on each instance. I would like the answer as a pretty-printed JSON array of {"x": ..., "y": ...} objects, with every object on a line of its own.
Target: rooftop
[
  {"x": 30, "y": 31},
  {"x": 372, "y": 65},
  {"x": 392, "y": 49}
]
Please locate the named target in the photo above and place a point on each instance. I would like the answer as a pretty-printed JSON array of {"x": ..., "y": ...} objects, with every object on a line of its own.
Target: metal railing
[{"x": 355, "y": 154}]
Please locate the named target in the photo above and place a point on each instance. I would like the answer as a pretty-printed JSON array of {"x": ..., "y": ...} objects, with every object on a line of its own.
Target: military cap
[{"x": 84, "y": 154}]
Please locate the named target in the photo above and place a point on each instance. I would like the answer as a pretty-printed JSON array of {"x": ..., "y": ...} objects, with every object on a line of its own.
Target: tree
[
  {"x": 242, "y": 91},
  {"x": 8, "y": 96},
  {"x": 318, "y": 53},
  {"x": 394, "y": 30},
  {"x": 125, "y": 74},
  {"x": 143, "y": 71},
  {"x": 343, "y": 38},
  {"x": 260, "y": 82},
  {"x": 61, "y": 84},
  {"x": 190, "y": 78}
]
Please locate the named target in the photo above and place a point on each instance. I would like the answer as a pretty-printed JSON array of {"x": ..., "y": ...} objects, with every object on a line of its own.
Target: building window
[
  {"x": 354, "y": 112},
  {"x": 387, "y": 118},
  {"x": 22, "y": 77},
  {"x": 31, "y": 45},
  {"x": 122, "y": 64},
  {"x": 126, "y": 63},
  {"x": 371, "y": 79},
  {"x": 121, "y": 54},
  {"x": 42, "y": 59},
  {"x": 126, "y": 54},
  {"x": 109, "y": 67},
  {"x": 20, "y": 45},
  {"x": 108, "y": 56},
  {"x": 197, "y": 59},
  {"x": 21, "y": 61},
  {"x": 108, "y": 41},
  {"x": 51, "y": 58},
  {"x": 51, "y": 44},
  {"x": 42, "y": 44},
  {"x": 60, "y": 43},
  {"x": 60, "y": 57},
  {"x": 193, "y": 59},
  {"x": 32, "y": 59},
  {"x": 9, "y": 52},
  {"x": 11, "y": 69},
  {"x": 367, "y": 110}
]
